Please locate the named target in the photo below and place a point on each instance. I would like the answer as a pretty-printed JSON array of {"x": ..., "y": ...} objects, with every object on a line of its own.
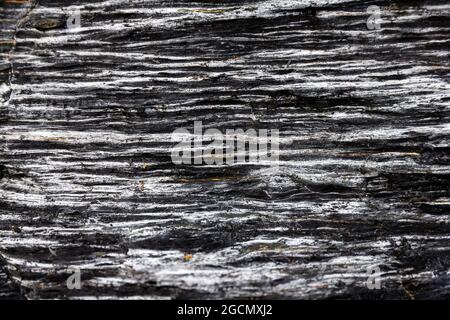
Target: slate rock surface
[{"x": 87, "y": 182}]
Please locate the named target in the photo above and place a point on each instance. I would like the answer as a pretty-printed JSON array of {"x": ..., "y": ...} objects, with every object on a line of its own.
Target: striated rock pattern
[{"x": 360, "y": 196}]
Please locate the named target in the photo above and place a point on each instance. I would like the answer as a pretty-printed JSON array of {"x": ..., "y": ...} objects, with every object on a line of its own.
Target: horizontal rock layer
[{"x": 87, "y": 181}]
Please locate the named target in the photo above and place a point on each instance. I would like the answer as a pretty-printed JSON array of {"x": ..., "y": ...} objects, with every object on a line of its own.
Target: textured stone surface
[{"x": 87, "y": 181}]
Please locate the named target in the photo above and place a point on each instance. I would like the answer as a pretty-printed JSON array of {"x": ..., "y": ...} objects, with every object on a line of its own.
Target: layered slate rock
[{"x": 88, "y": 183}]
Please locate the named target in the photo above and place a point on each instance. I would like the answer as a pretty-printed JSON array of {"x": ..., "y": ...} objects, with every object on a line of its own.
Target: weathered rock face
[{"x": 87, "y": 182}]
